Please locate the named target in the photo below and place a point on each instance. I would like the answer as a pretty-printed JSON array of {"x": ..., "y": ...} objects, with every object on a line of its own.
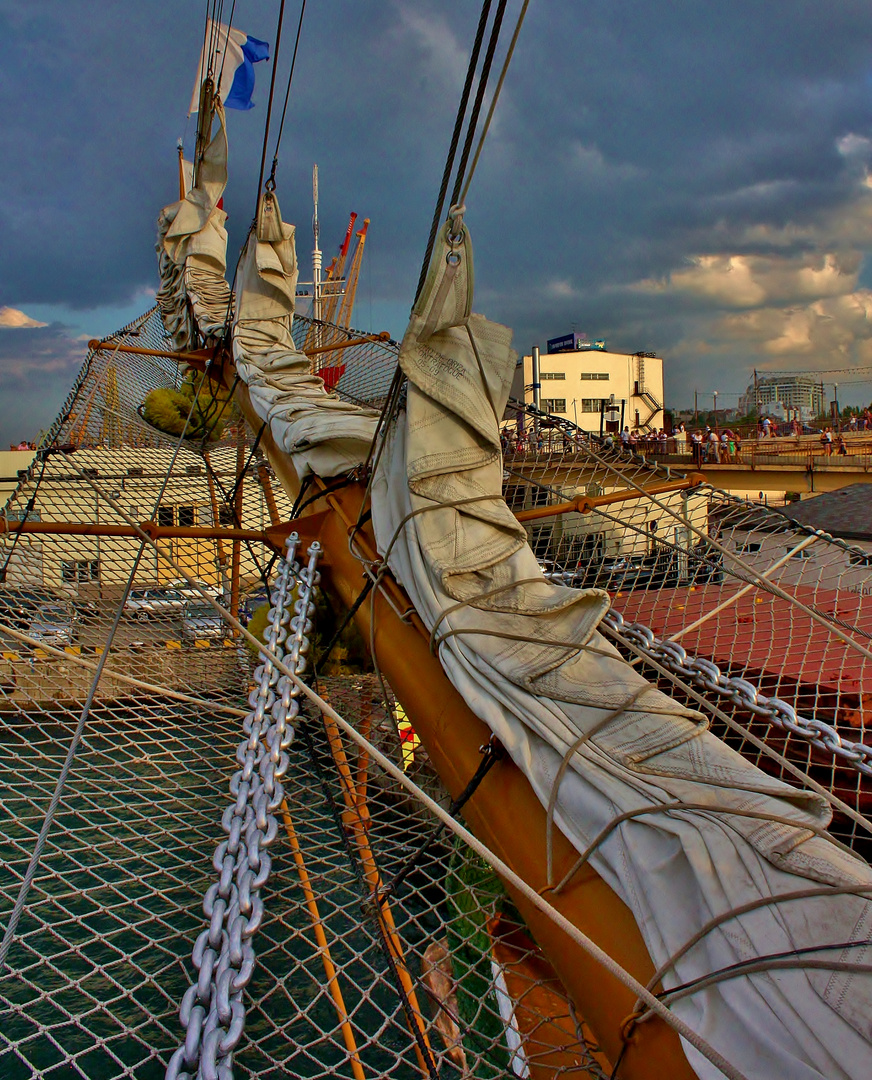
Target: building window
[
  {"x": 591, "y": 404},
  {"x": 748, "y": 548},
  {"x": 856, "y": 558},
  {"x": 187, "y": 516},
  {"x": 225, "y": 517},
  {"x": 543, "y": 375},
  {"x": 80, "y": 570},
  {"x": 516, "y": 495},
  {"x": 165, "y": 517},
  {"x": 803, "y": 554},
  {"x": 595, "y": 376},
  {"x": 554, "y": 405}
]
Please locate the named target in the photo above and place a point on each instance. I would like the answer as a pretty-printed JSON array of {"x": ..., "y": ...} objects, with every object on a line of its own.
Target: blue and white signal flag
[{"x": 231, "y": 54}]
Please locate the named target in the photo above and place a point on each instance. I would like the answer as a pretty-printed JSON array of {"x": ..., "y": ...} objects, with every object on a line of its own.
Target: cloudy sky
[{"x": 691, "y": 178}]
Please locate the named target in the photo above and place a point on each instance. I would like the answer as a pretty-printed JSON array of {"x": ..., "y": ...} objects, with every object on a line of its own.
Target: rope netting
[
  {"x": 440, "y": 978},
  {"x": 767, "y": 622},
  {"x": 387, "y": 946}
]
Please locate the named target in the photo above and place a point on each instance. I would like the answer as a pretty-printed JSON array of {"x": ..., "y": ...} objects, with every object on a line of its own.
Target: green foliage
[
  {"x": 474, "y": 895},
  {"x": 168, "y": 410},
  {"x": 257, "y": 625}
]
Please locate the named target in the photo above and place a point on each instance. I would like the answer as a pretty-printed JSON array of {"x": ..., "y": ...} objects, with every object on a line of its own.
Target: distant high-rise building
[{"x": 787, "y": 394}]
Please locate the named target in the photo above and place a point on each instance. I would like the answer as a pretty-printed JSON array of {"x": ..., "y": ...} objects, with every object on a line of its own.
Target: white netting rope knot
[{"x": 212, "y": 1010}]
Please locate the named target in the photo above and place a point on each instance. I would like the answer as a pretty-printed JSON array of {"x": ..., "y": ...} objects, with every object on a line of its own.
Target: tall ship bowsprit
[{"x": 363, "y": 720}]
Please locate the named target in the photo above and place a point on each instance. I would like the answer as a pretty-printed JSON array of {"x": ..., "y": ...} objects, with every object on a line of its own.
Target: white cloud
[
  {"x": 12, "y": 318},
  {"x": 852, "y": 146},
  {"x": 747, "y": 281}
]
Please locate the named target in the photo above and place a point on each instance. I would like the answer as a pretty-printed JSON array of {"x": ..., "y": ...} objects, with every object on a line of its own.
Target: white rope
[
  {"x": 576, "y": 935},
  {"x": 755, "y": 578}
]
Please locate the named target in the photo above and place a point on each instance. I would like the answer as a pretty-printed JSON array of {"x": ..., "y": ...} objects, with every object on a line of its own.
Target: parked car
[
  {"x": 202, "y": 621},
  {"x": 54, "y": 624},
  {"x": 253, "y": 600},
  {"x": 195, "y": 595},
  {"x": 19, "y": 606},
  {"x": 554, "y": 572},
  {"x": 146, "y": 603},
  {"x": 611, "y": 574}
]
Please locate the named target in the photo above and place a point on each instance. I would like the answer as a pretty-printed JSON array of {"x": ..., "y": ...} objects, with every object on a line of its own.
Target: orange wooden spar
[
  {"x": 156, "y": 532},
  {"x": 504, "y": 811},
  {"x": 584, "y": 504}
]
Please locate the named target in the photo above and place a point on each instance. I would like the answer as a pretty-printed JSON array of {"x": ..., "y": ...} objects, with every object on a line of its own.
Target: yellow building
[
  {"x": 135, "y": 479},
  {"x": 574, "y": 384}
]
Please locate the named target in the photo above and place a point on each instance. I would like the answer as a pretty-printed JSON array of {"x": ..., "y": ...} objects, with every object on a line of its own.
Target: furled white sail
[
  {"x": 192, "y": 252},
  {"x": 467, "y": 568},
  {"x": 319, "y": 431},
  {"x": 449, "y": 537}
]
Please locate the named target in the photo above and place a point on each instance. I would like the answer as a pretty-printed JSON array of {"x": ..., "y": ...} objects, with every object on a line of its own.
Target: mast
[{"x": 316, "y": 251}]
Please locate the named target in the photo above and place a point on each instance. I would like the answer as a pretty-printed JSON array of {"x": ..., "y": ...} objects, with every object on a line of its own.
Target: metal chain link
[
  {"x": 708, "y": 675},
  {"x": 212, "y": 1010}
]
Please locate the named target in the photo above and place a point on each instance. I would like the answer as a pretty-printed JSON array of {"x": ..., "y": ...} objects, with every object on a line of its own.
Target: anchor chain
[
  {"x": 706, "y": 674},
  {"x": 212, "y": 1010}
]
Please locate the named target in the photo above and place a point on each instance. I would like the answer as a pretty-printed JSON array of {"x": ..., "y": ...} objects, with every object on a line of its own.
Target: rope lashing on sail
[
  {"x": 788, "y": 960},
  {"x": 706, "y": 673},
  {"x": 754, "y": 905},
  {"x": 494, "y": 861},
  {"x": 212, "y": 1010},
  {"x": 705, "y": 808}
]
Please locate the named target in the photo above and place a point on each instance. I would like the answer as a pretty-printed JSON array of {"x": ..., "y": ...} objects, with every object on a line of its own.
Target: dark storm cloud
[{"x": 633, "y": 143}]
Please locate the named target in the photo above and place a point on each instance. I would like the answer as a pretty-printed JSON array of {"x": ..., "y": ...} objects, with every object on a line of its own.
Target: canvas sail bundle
[
  {"x": 192, "y": 252},
  {"x": 320, "y": 432},
  {"x": 458, "y": 560}
]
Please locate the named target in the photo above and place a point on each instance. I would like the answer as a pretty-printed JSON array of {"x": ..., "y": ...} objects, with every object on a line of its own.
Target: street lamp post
[{"x": 715, "y": 397}]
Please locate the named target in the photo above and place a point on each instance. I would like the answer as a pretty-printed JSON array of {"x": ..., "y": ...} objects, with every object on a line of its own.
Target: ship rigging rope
[
  {"x": 754, "y": 905},
  {"x": 452, "y": 149},
  {"x": 269, "y": 105},
  {"x": 271, "y": 182},
  {"x": 494, "y": 101},
  {"x": 479, "y": 99},
  {"x": 502, "y": 868},
  {"x": 57, "y": 794},
  {"x": 784, "y": 763},
  {"x": 462, "y": 179}
]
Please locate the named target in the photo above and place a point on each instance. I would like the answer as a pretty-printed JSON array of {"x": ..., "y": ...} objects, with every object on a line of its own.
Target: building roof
[{"x": 846, "y": 513}]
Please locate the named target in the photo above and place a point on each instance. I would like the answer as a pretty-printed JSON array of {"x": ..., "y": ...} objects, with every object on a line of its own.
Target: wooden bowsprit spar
[{"x": 504, "y": 811}]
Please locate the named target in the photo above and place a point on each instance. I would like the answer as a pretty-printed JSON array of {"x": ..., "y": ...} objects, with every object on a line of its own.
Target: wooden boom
[{"x": 504, "y": 812}]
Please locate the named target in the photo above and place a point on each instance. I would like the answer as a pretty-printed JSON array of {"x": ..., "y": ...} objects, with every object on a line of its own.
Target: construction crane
[
  {"x": 347, "y": 305},
  {"x": 334, "y": 281},
  {"x": 331, "y": 373},
  {"x": 328, "y": 291}
]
